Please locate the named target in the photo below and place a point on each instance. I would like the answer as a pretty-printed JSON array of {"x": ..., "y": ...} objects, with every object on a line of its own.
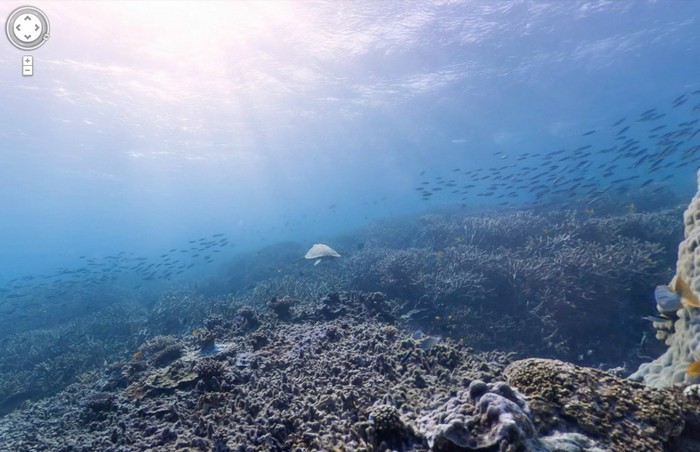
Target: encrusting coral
[
  {"x": 616, "y": 413},
  {"x": 676, "y": 366}
]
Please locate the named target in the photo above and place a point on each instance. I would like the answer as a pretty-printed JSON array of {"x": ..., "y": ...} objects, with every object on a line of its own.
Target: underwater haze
[{"x": 147, "y": 124}]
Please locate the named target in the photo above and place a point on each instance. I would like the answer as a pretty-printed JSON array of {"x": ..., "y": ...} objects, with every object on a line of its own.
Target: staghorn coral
[
  {"x": 177, "y": 312},
  {"x": 552, "y": 277},
  {"x": 486, "y": 231},
  {"x": 41, "y": 362},
  {"x": 305, "y": 286},
  {"x": 415, "y": 272}
]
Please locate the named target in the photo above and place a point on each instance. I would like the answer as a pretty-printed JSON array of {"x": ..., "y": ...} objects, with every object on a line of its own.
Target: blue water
[{"x": 147, "y": 125}]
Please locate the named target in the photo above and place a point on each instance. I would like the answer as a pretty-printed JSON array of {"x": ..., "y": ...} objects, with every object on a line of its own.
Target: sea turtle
[{"x": 319, "y": 252}]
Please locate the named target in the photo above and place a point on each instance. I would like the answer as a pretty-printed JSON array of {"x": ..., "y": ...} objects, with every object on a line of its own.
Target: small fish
[
  {"x": 405, "y": 357},
  {"x": 429, "y": 342},
  {"x": 666, "y": 300},
  {"x": 692, "y": 373},
  {"x": 623, "y": 130},
  {"x": 688, "y": 297},
  {"x": 619, "y": 122},
  {"x": 655, "y": 319}
]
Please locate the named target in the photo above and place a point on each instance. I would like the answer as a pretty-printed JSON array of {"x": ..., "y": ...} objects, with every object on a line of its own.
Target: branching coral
[
  {"x": 553, "y": 276},
  {"x": 41, "y": 362},
  {"x": 161, "y": 350}
]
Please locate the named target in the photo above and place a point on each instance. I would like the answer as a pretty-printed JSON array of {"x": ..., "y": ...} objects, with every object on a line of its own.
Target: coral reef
[
  {"x": 616, "y": 413},
  {"x": 281, "y": 306},
  {"x": 291, "y": 358},
  {"x": 485, "y": 417},
  {"x": 340, "y": 375},
  {"x": 672, "y": 367},
  {"x": 41, "y": 362},
  {"x": 553, "y": 277},
  {"x": 350, "y": 382},
  {"x": 160, "y": 350},
  {"x": 388, "y": 430},
  {"x": 521, "y": 281}
]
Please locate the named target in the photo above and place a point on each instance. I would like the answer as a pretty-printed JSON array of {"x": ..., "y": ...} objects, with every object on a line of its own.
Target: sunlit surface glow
[
  {"x": 176, "y": 32},
  {"x": 256, "y": 116}
]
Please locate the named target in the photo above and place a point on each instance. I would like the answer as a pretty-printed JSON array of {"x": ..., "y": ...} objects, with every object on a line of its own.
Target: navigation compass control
[{"x": 27, "y": 28}]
